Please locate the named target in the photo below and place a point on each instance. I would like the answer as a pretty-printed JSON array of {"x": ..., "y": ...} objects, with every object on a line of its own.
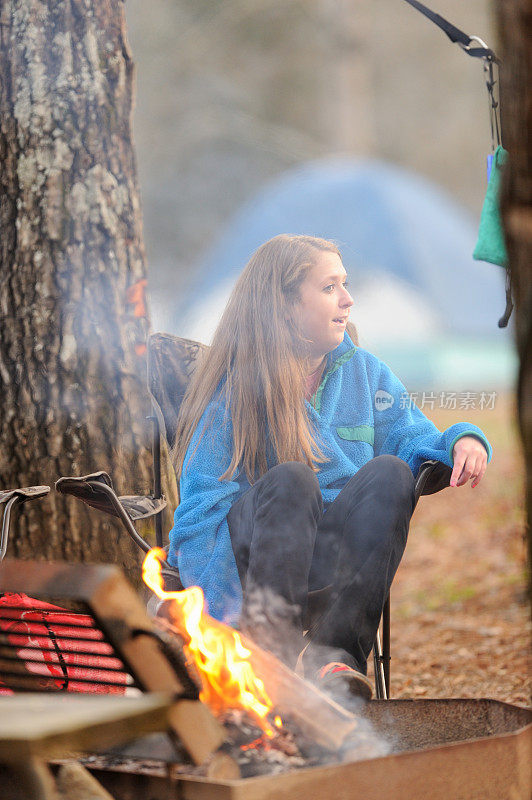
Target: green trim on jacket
[
  {"x": 468, "y": 433},
  {"x": 359, "y": 433},
  {"x": 316, "y": 399}
]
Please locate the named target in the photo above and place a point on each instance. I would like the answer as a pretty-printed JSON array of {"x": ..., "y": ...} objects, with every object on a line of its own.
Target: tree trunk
[
  {"x": 72, "y": 354},
  {"x": 515, "y": 29}
]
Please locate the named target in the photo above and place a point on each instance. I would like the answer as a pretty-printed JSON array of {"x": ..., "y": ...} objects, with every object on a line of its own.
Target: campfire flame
[{"x": 217, "y": 650}]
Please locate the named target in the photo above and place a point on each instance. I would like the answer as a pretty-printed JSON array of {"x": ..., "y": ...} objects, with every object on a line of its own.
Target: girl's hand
[{"x": 470, "y": 460}]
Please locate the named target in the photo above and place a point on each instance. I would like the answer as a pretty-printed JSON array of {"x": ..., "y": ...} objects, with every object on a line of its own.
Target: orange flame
[{"x": 222, "y": 660}]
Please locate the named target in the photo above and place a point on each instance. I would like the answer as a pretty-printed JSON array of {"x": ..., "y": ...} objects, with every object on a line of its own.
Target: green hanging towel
[{"x": 490, "y": 243}]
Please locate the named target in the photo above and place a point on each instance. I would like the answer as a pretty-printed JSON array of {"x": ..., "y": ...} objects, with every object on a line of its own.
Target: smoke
[{"x": 274, "y": 624}]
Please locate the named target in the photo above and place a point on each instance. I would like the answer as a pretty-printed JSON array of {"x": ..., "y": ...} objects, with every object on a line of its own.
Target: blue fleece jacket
[{"x": 359, "y": 412}]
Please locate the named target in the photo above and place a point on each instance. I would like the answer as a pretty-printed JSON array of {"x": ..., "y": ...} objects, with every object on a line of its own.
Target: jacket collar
[
  {"x": 335, "y": 359},
  {"x": 346, "y": 346}
]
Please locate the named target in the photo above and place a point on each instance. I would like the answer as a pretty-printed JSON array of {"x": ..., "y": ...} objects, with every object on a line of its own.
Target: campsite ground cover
[{"x": 460, "y": 615}]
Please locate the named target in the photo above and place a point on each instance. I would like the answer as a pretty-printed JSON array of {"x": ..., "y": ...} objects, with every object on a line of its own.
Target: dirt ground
[{"x": 460, "y": 620}]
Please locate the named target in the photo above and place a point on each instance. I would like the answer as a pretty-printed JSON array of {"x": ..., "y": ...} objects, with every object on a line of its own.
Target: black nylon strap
[{"x": 455, "y": 34}]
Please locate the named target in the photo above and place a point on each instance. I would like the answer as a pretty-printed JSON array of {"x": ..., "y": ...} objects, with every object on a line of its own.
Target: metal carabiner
[
  {"x": 489, "y": 62},
  {"x": 481, "y": 42}
]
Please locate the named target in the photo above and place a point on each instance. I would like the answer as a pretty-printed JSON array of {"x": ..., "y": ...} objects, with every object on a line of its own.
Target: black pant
[{"x": 286, "y": 547}]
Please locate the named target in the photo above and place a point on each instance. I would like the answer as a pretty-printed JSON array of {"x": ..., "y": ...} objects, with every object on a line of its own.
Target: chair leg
[
  {"x": 381, "y": 656},
  {"x": 378, "y": 668},
  {"x": 157, "y": 488},
  {"x": 386, "y": 656}
]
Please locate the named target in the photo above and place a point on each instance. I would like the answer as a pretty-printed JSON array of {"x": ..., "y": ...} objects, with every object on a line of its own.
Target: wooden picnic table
[{"x": 37, "y": 727}]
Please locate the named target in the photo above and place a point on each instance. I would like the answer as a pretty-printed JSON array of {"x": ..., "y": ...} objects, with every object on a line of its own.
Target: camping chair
[{"x": 171, "y": 361}]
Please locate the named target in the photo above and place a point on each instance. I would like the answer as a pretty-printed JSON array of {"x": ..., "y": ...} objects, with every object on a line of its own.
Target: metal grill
[
  {"x": 47, "y": 648},
  {"x": 97, "y": 639}
]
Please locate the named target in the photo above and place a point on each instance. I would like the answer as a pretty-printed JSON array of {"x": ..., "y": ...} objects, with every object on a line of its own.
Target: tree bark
[
  {"x": 514, "y": 19},
  {"x": 72, "y": 265}
]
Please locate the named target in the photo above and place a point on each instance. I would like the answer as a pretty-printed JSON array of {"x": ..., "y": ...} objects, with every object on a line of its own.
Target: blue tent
[{"x": 387, "y": 222}]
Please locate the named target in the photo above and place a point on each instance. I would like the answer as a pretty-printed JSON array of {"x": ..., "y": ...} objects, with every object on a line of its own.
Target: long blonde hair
[{"x": 259, "y": 354}]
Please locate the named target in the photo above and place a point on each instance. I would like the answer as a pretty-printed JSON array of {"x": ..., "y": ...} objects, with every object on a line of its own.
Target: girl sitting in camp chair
[{"x": 297, "y": 455}]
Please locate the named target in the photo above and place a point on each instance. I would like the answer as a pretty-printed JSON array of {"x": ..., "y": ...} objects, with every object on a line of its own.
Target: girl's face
[{"x": 323, "y": 307}]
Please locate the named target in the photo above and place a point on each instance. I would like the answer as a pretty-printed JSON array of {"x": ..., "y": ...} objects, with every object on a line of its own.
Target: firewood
[
  {"x": 74, "y": 782},
  {"x": 320, "y": 718}
]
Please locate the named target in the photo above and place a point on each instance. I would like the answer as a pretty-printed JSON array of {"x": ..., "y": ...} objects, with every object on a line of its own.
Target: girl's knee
[
  {"x": 394, "y": 471},
  {"x": 396, "y": 483},
  {"x": 294, "y": 480}
]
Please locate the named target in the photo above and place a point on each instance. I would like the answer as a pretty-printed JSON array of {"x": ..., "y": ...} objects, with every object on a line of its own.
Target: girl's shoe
[{"x": 335, "y": 674}]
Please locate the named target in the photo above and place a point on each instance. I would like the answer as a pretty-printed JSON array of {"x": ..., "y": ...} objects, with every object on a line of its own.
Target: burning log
[
  {"x": 232, "y": 666},
  {"x": 324, "y": 721}
]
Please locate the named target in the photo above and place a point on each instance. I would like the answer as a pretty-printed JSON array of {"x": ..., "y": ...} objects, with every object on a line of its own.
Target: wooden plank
[
  {"x": 76, "y": 783},
  {"x": 192, "y": 721},
  {"x": 35, "y": 725}
]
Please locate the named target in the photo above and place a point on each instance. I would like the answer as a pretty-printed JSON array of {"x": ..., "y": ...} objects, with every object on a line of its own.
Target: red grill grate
[{"x": 48, "y": 648}]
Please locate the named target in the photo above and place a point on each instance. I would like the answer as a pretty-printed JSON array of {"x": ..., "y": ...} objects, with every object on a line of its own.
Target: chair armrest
[
  {"x": 10, "y": 498},
  {"x": 26, "y": 493},
  {"x": 93, "y": 490},
  {"x": 433, "y": 476},
  {"x": 96, "y": 490}
]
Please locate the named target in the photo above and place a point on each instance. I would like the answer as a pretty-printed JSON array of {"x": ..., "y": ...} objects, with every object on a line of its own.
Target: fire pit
[
  {"x": 304, "y": 745},
  {"x": 440, "y": 750}
]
